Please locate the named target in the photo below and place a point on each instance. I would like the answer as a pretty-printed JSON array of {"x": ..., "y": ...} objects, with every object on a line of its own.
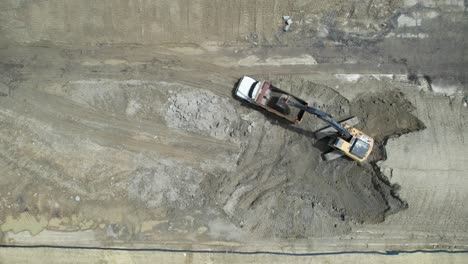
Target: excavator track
[{"x": 332, "y": 155}]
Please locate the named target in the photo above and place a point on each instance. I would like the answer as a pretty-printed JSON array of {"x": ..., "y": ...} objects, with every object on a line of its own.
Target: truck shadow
[{"x": 320, "y": 144}]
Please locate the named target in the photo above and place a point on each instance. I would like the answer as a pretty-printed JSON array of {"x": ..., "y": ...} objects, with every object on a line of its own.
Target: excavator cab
[{"x": 358, "y": 147}]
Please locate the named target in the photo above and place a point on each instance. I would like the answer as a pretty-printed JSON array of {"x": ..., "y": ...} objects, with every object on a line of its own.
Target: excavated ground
[
  {"x": 282, "y": 188},
  {"x": 119, "y": 125}
]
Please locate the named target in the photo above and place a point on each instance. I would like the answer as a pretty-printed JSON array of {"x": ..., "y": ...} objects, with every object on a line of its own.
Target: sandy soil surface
[{"x": 119, "y": 129}]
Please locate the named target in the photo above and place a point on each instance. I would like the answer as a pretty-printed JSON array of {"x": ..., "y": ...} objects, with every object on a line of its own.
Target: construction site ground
[{"x": 119, "y": 128}]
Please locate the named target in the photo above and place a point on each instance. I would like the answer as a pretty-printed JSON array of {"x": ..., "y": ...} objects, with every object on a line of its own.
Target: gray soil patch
[
  {"x": 201, "y": 112},
  {"x": 169, "y": 186},
  {"x": 129, "y": 98}
]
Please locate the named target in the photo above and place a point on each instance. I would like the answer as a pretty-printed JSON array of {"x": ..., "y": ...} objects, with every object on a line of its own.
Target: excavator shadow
[{"x": 321, "y": 144}]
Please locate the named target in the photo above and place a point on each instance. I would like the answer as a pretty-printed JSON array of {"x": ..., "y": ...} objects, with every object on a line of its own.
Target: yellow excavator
[{"x": 345, "y": 139}]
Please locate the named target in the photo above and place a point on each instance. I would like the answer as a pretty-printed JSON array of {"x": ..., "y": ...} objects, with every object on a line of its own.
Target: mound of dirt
[
  {"x": 386, "y": 114},
  {"x": 282, "y": 188}
]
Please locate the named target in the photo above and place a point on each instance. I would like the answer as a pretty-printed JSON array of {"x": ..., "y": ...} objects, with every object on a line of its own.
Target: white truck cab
[{"x": 247, "y": 88}]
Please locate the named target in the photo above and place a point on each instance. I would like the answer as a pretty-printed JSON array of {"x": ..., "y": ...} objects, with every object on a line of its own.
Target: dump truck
[{"x": 267, "y": 96}]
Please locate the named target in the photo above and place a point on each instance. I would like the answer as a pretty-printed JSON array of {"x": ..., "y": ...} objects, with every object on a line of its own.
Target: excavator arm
[
  {"x": 344, "y": 133},
  {"x": 347, "y": 140}
]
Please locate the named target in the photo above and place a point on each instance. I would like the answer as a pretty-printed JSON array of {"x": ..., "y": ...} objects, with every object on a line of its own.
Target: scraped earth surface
[
  {"x": 129, "y": 134},
  {"x": 162, "y": 148}
]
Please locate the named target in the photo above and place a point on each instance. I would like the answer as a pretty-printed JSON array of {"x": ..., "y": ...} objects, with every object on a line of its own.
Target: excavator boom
[
  {"x": 344, "y": 133},
  {"x": 349, "y": 141},
  {"x": 345, "y": 139}
]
